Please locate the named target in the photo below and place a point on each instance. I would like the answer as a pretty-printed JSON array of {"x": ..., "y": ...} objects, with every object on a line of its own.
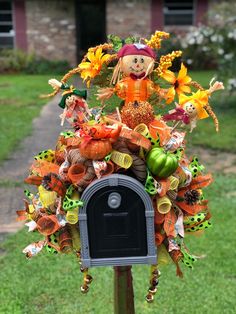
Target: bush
[
  {"x": 214, "y": 46},
  {"x": 15, "y": 61}
]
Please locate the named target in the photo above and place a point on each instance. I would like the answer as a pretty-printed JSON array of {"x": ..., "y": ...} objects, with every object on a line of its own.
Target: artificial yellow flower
[
  {"x": 91, "y": 68},
  {"x": 180, "y": 84}
]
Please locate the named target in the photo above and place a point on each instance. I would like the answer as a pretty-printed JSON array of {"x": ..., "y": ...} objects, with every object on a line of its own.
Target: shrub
[
  {"x": 14, "y": 61},
  {"x": 214, "y": 46}
]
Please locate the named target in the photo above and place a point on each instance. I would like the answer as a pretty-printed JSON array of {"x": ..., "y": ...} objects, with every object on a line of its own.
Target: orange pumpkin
[{"x": 95, "y": 149}]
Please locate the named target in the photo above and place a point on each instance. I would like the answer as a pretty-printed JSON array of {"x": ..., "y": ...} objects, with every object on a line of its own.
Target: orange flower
[
  {"x": 91, "y": 68},
  {"x": 180, "y": 84}
]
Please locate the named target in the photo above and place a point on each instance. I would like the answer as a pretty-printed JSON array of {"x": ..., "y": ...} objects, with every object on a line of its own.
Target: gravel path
[{"x": 46, "y": 129}]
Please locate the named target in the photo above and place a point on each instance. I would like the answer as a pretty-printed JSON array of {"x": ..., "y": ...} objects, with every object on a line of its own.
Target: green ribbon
[
  {"x": 191, "y": 220},
  {"x": 178, "y": 153},
  {"x": 195, "y": 167},
  {"x": 150, "y": 184},
  {"x": 28, "y": 194},
  {"x": 48, "y": 155},
  {"x": 203, "y": 225},
  {"x": 107, "y": 157},
  {"x": 188, "y": 259},
  {"x": 68, "y": 202},
  {"x": 50, "y": 249},
  {"x": 67, "y": 134}
]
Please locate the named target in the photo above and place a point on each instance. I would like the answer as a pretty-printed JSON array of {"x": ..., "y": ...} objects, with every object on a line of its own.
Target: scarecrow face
[
  {"x": 190, "y": 109},
  {"x": 70, "y": 100},
  {"x": 135, "y": 64}
]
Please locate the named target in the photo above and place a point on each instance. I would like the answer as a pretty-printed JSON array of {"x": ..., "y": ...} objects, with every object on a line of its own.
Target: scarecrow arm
[
  {"x": 55, "y": 83},
  {"x": 105, "y": 93}
]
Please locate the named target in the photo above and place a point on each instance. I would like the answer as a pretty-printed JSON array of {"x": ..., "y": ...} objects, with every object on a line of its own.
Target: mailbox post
[{"x": 117, "y": 229}]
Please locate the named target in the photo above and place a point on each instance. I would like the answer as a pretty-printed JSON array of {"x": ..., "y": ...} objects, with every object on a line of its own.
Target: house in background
[{"x": 58, "y": 29}]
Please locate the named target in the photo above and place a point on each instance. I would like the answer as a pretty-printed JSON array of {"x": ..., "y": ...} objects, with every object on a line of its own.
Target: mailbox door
[{"x": 120, "y": 231}]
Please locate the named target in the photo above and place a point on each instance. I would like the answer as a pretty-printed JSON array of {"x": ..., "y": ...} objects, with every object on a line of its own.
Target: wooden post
[{"x": 123, "y": 290}]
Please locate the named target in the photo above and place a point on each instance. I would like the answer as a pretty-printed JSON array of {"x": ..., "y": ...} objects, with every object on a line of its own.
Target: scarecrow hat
[
  {"x": 136, "y": 49},
  {"x": 70, "y": 90}
]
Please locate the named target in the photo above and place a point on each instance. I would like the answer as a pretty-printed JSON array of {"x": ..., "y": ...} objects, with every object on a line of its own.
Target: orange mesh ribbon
[{"x": 169, "y": 223}]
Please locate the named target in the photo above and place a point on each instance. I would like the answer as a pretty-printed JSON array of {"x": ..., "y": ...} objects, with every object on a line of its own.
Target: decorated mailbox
[
  {"x": 116, "y": 223},
  {"x": 119, "y": 186}
]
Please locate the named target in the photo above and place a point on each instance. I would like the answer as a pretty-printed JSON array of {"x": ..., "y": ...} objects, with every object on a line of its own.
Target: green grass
[
  {"x": 51, "y": 284},
  {"x": 224, "y": 107},
  {"x": 19, "y": 104}
]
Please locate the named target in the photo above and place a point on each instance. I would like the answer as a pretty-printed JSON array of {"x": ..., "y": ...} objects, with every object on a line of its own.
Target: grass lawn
[
  {"x": 19, "y": 104},
  {"x": 51, "y": 284}
]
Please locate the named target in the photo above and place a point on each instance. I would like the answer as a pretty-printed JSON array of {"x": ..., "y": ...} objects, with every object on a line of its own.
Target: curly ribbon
[
  {"x": 69, "y": 203},
  {"x": 138, "y": 166},
  {"x": 195, "y": 167},
  {"x": 75, "y": 237},
  {"x": 48, "y": 224},
  {"x": 188, "y": 259},
  {"x": 65, "y": 240},
  {"x": 143, "y": 129},
  {"x": 163, "y": 205},
  {"x": 72, "y": 215},
  {"x": 48, "y": 155},
  {"x": 203, "y": 225},
  {"x": 76, "y": 172},
  {"x": 47, "y": 198},
  {"x": 163, "y": 256},
  {"x": 174, "y": 182},
  {"x": 121, "y": 159}
]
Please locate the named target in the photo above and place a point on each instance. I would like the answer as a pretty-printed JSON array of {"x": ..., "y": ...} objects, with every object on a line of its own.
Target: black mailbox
[{"x": 116, "y": 223}]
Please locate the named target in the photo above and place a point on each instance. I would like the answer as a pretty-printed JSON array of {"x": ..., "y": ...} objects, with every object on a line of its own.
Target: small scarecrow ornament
[
  {"x": 135, "y": 63},
  {"x": 73, "y": 102}
]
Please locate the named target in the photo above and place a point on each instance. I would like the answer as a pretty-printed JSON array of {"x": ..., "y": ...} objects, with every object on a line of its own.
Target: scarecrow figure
[
  {"x": 73, "y": 102},
  {"x": 136, "y": 62}
]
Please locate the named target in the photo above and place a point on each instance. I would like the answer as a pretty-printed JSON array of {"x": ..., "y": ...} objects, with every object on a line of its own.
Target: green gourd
[{"x": 161, "y": 163}]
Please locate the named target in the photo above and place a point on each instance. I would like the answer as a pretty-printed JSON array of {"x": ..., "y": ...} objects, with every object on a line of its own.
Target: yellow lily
[
  {"x": 90, "y": 69},
  {"x": 180, "y": 84}
]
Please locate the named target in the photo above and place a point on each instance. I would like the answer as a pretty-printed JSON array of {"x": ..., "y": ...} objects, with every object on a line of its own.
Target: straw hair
[
  {"x": 208, "y": 107},
  {"x": 116, "y": 72}
]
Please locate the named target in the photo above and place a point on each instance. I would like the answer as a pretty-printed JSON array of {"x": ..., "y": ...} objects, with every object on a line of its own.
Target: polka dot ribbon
[
  {"x": 69, "y": 203},
  {"x": 195, "y": 167}
]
